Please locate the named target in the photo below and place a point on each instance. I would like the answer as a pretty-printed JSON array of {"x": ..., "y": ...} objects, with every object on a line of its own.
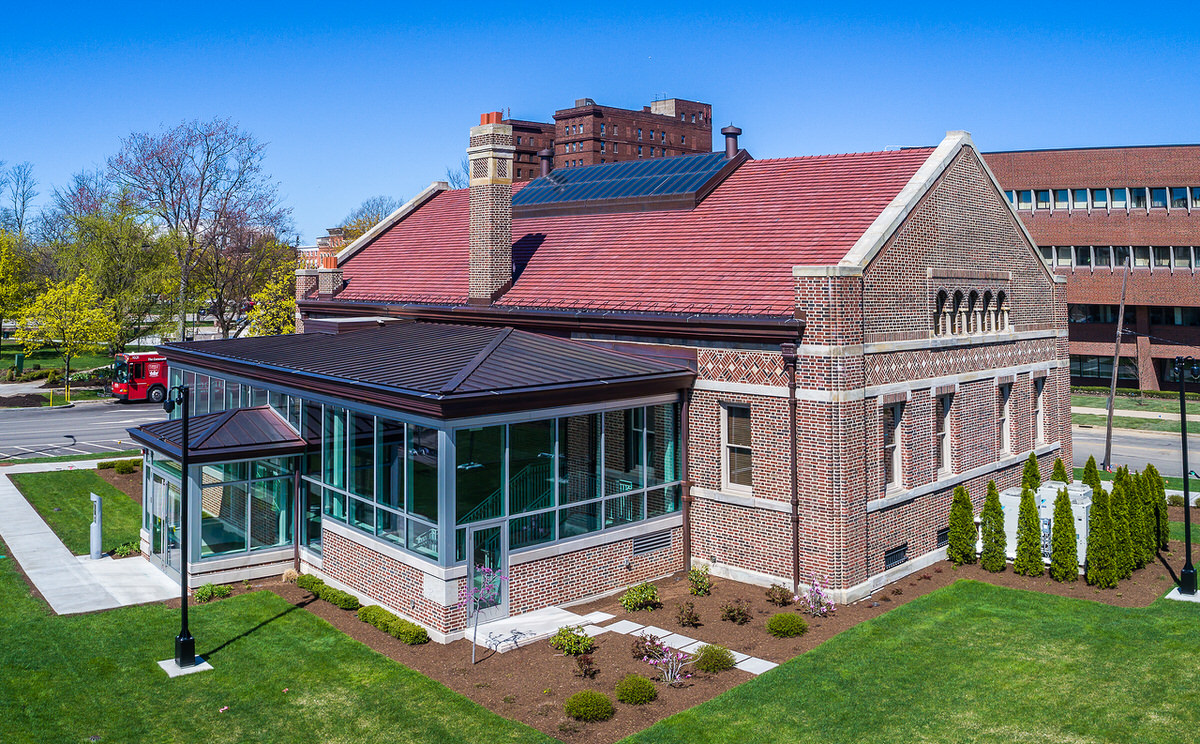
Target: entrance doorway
[
  {"x": 164, "y": 524},
  {"x": 487, "y": 547}
]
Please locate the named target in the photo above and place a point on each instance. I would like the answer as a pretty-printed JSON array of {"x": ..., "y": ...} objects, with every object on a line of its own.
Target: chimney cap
[
  {"x": 731, "y": 129},
  {"x": 492, "y": 117},
  {"x": 545, "y": 152}
]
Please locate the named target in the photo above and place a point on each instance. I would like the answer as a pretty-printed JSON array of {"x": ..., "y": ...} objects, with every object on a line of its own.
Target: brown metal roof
[
  {"x": 440, "y": 369},
  {"x": 229, "y": 435}
]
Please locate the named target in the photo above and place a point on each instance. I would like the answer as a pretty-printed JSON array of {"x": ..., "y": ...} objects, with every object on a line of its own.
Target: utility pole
[{"x": 1112, "y": 388}]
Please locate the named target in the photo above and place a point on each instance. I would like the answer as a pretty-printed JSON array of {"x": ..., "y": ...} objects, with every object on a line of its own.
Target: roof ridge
[
  {"x": 216, "y": 424},
  {"x": 473, "y": 365},
  {"x": 789, "y": 158}
]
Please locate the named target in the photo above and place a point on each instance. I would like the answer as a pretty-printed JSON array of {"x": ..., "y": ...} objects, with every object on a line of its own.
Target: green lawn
[
  {"x": 72, "y": 458},
  {"x": 1177, "y": 532},
  {"x": 1171, "y": 484},
  {"x": 68, "y": 491},
  {"x": 94, "y": 677},
  {"x": 1155, "y": 405},
  {"x": 973, "y": 663},
  {"x": 48, "y": 359},
  {"x": 1127, "y": 422}
]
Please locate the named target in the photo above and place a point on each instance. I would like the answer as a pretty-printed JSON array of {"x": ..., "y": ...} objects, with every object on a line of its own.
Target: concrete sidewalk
[
  {"x": 70, "y": 583},
  {"x": 1119, "y": 412}
]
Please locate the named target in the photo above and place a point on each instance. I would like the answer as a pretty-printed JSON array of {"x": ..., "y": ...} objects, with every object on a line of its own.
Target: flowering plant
[
  {"x": 815, "y": 601},
  {"x": 473, "y": 597},
  {"x": 668, "y": 661}
]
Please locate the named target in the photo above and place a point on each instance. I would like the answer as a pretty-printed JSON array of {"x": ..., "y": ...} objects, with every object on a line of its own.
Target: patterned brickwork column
[
  {"x": 306, "y": 284},
  {"x": 491, "y": 168}
]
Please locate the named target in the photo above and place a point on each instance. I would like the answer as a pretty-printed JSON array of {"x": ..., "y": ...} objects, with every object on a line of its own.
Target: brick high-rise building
[
  {"x": 589, "y": 134},
  {"x": 1094, "y": 210}
]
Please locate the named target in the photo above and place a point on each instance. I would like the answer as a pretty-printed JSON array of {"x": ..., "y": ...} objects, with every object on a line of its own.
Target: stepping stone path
[{"x": 745, "y": 662}]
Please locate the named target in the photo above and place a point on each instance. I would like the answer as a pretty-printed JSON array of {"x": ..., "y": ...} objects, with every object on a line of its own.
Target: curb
[{"x": 37, "y": 408}]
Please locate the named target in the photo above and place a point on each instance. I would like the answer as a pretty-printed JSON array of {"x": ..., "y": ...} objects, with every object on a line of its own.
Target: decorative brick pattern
[{"x": 752, "y": 368}]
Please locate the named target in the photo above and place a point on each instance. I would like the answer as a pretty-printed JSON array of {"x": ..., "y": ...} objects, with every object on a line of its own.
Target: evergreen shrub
[
  {"x": 1031, "y": 477},
  {"x": 589, "y": 705},
  {"x": 961, "y": 548},
  {"x": 572, "y": 641},
  {"x": 991, "y": 525},
  {"x": 1060, "y": 472},
  {"x": 643, "y": 596},
  {"x": 1122, "y": 544},
  {"x": 1064, "y": 550},
  {"x": 713, "y": 659},
  {"x": 635, "y": 689},
  {"x": 1101, "y": 549},
  {"x": 309, "y": 582},
  {"x": 408, "y": 632},
  {"x": 786, "y": 625},
  {"x": 1029, "y": 537}
]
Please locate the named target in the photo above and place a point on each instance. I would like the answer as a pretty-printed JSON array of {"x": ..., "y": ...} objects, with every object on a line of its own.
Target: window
[
  {"x": 1100, "y": 198},
  {"x": 1047, "y": 253},
  {"x": 639, "y": 133},
  {"x": 1064, "y": 255},
  {"x": 1176, "y": 316},
  {"x": 1183, "y": 257},
  {"x": 1121, "y": 255},
  {"x": 1178, "y": 198},
  {"x": 941, "y": 426},
  {"x": 943, "y": 537},
  {"x": 639, "y": 151},
  {"x": 893, "y": 476},
  {"x": 1103, "y": 255},
  {"x": 1158, "y": 198},
  {"x": 1079, "y": 199},
  {"x": 1025, "y": 199},
  {"x": 1083, "y": 255},
  {"x": 1011, "y": 196},
  {"x": 1060, "y": 198},
  {"x": 1039, "y": 423},
  {"x": 683, "y": 139},
  {"x": 1118, "y": 199},
  {"x": 738, "y": 453},
  {"x": 651, "y": 135},
  {"x": 1141, "y": 256},
  {"x": 1196, "y": 197},
  {"x": 1043, "y": 199},
  {"x": 602, "y": 147},
  {"x": 1100, "y": 367},
  {"x": 602, "y": 129},
  {"x": 1092, "y": 313},
  {"x": 1162, "y": 257},
  {"x": 1004, "y": 436},
  {"x": 1137, "y": 198}
]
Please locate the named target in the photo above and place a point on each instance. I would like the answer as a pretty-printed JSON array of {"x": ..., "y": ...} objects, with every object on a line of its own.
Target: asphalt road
[
  {"x": 1136, "y": 448},
  {"x": 88, "y": 428}
]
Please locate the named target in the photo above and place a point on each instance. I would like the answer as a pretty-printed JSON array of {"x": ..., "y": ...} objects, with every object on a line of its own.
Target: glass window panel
[
  {"x": 311, "y": 431},
  {"x": 1118, "y": 199},
  {"x": 1047, "y": 253},
  {"x": 423, "y": 538},
  {"x": 662, "y": 444},
  {"x": 295, "y": 408},
  {"x": 175, "y": 377},
  {"x": 216, "y": 394},
  {"x": 479, "y": 471},
  {"x": 335, "y": 505},
  {"x": 272, "y": 467},
  {"x": 1079, "y": 198},
  {"x": 1137, "y": 198},
  {"x": 1011, "y": 196},
  {"x": 247, "y": 396},
  {"x": 1060, "y": 198},
  {"x": 1042, "y": 199},
  {"x": 278, "y": 402},
  {"x": 1196, "y": 197},
  {"x": 622, "y": 471},
  {"x": 390, "y": 469},
  {"x": 423, "y": 471},
  {"x": 1158, "y": 198},
  {"x": 737, "y": 426},
  {"x": 222, "y": 519},
  {"x": 1127, "y": 370},
  {"x": 1024, "y": 199},
  {"x": 530, "y": 466},
  {"x": 200, "y": 396},
  {"x": 1183, "y": 257},
  {"x": 460, "y": 545},
  {"x": 1178, "y": 197},
  {"x": 362, "y": 515},
  {"x": 362, "y": 455},
  {"x": 578, "y": 519},
  {"x": 1162, "y": 256},
  {"x": 533, "y": 529},
  {"x": 224, "y": 472},
  {"x": 624, "y": 509},
  {"x": 311, "y": 500},
  {"x": 270, "y": 513},
  {"x": 334, "y": 446},
  {"x": 390, "y": 526},
  {"x": 1100, "y": 198},
  {"x": 1083, "y": 255},
  {"x": 662, "y": 501},
  {"x": 1122, "y": 253},
  {"x": 578, "y": 458},
  {"x": 1064, "y": 255},
  {"x": 1103, "y": 255},
  {"x": 1141, "y": 255}
]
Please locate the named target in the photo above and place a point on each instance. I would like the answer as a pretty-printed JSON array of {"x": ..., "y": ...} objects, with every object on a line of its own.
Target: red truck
[{"x": 139, "y": 376}]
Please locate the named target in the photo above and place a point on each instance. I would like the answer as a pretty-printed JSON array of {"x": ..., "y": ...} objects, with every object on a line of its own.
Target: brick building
[
  {"x": 1094, "y": 210},
  {"x": 776, "y": 368},
  {"x": 589, "y": 134}
]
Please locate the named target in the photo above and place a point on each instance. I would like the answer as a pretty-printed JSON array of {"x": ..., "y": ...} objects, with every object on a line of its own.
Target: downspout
[
  {"x": 687, "y": 484},
  {"x": 788, "y": 351}
]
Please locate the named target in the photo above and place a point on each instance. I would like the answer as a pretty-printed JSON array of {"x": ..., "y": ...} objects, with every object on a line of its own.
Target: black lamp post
[
  {"x": 1187, "y": 577},
  {"x": 185, "y": 645}
]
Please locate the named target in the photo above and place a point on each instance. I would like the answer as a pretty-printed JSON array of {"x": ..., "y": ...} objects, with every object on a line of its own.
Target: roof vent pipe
[
  {"x": 731, "y": 144},
  {"x": 547, "y": 155}
]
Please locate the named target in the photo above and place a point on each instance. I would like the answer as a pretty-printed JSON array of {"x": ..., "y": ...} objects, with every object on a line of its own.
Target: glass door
[
  {"x": 488, "y": 553},
  {"x": 164, "y": 510}
]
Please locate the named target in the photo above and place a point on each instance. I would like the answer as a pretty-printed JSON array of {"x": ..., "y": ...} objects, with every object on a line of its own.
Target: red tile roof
[{"x": 732, "y": 254}]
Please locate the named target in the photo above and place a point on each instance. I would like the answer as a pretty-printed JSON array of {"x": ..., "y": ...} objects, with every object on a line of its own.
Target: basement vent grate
[
  {"x": 895, "y": 556},
  {"x": 943, "y": 537},
  {"x": 643, "y": 544}
]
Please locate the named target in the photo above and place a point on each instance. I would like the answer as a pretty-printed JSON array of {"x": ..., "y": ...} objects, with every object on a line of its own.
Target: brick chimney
[
  {"x": 329, "y": 278},
  {"x": 491, "y": 163}
]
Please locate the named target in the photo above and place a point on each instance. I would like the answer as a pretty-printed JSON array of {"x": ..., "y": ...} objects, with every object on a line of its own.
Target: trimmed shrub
[
  {"x": 309, "y": 582},
  {"x": 1060, "y": 472},
  {"x": 686, "y": 616},
  {"x": 701, "y": 584},
  {"x": 376, "y": 616},
  {"x": 1091, "y": 475},
  {"x": 1101, "y": 558},
  {"x": 572, "y": 641},
  {"x": 1139, "y": 529},
  {"x": 635, "y": 689},
  {"x": 713, "y": 659},
  {"x": 1175, "y": 499},
  {"x": 641, "y": 597},
  {"x": 1122, "y": 542},
  {"x": 408, "y": 632},
  {"x": 780, "y": 596},
  {"x": 1029, "y": 538},
  {"x": 961, "y": 548},
  {"x": 991, "y": 525},
  {"x": 1064, "y": 550},
  {"x": 209, "y": 592},
  {"x": 786, "y": 625},
  {"x": 1031, "y": 477},
  {"x": 589, "y": 705},
  {"x": 1149, "y": 518},
  {"x": 106, "y": 464},
  {"x": 125, "y": 467},
  {"x": 337, "y": 597},
  {"x": 736, "y": 612}
]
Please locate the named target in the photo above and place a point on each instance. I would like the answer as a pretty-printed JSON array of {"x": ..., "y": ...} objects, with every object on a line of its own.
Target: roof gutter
[{"x": 744, "y": 328}]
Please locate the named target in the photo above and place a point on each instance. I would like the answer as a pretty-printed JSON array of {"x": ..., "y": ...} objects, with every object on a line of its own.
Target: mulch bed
[
  {"x": 130, "y": 484},
  {"x": 23, "y": 400}
]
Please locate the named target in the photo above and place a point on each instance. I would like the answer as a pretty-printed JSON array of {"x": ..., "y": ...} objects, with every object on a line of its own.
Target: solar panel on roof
[{"x": 674, "y": 176}]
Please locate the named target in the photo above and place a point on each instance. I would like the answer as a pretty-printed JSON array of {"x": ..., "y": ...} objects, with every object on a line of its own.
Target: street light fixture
[
  {"x": 185, "y": 645},
  {"x": 1187, "y": 577}
]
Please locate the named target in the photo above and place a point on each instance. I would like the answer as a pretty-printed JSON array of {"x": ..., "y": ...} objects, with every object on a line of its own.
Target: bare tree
[
  {"x": 20, "y": 191},
  {"x": 459, "y": 178},
  {"x": 195, "y": 177},
  {"x": 368, "y": 214}
]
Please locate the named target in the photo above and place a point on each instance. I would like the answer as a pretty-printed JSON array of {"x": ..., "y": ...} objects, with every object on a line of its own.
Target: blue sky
[{"x": 359, "y": 100}]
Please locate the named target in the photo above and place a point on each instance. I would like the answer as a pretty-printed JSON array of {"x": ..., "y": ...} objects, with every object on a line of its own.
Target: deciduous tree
[
  {"x": 15, "y": 291},
  {"x": 368, "y": 214},
  {"x": 70, "y": 318},
  {"x": 240, "y": 262},
  {"x": 274, "y": 311},
  {"x": 991, "y": 527}
]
